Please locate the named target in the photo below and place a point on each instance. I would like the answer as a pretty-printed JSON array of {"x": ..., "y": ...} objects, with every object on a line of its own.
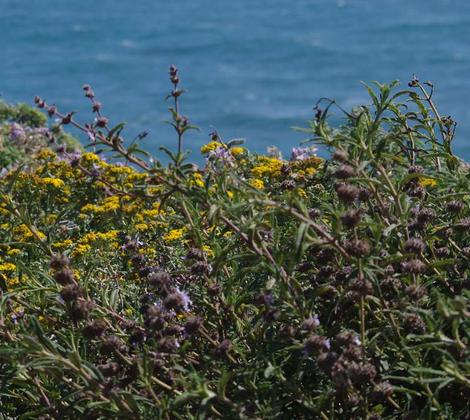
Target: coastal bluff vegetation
[{"x": 248, "y": 286}]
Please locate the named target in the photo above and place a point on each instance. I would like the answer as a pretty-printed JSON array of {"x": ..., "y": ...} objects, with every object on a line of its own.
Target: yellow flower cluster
[
  {"x": 427, "y": 182},
  {"x": 237, "y": 150},
  {"x": 54, "y": 182},
  {"x": 174, "y": 234},
  {"x": 211, "y": 146},
  {"x": 257, "y": 183},
  {"x": 6, "y": 266},
  {"x": 109, "y": 204},
  {"x": 84, "y": 245},
  {"x": 24, "y": 233},
  {"x": 267, "y": 166},
  {"x": 198, "y": 179}
]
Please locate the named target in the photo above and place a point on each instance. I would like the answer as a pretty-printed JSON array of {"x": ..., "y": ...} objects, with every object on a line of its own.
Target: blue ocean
[{"x": 252, "y": 69}]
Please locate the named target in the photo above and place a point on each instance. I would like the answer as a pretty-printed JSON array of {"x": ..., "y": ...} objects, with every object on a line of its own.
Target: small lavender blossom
[
  {"x": 302, "y": 153},
  {"x": 186, "y": 300},
  {"x": 221, "y": 154},
  {"x": 17, "y": 132},
  {"x": 42, "y": 131}
]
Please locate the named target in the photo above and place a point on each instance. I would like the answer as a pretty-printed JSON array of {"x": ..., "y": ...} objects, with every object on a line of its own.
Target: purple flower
[
  {"x": 186, "y": 300},
  {"x": 42, "y": 131},
  {"x": 221, "y": 154},
  {"x": 17, "y": 132},
  {"x": 302, "y": 153}
]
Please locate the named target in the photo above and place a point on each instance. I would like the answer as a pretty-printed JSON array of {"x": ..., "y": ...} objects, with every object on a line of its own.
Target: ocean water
[{"x": 253, "y": 69}]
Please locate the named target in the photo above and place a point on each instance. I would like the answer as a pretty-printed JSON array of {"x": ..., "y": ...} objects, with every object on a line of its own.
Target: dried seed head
[
  {"x": 325, "y": 255},
  {"x": 442, "y": 252},
  {"x": 415, "y": 169},
  {"x": 193, "y": 324},
  {"x": 415, "y": 292},
  {"x": 59, "y": 261},
  {"x": 390, "y": 286},
  {"x": 223, "y": 348},
  {"x": 344, "y": 172},
  {"x": 94, "y": 329},
  {"x": 364, "y": 194},
  {"x": 288, "y": 184},
  {"x": 71, "y": 292},
  {"x": 159, "y": 279},
  {"x": 351, "y": 218},
  {"x": 310, "y": 324},
  {"x": 64, "y": 276},
  {"x": 415, "y": 246},
  {"x": 177, "y": 301},
  {"x": 196, "y": 254},
  {"x": 200, "y": 267},
  {"x": 362, "y": 287},
  {"x": 112, "y": 344},
  {"x": 214, "y": 289},
  {"x": 346, "y": 192},
  {"x": 167, "y": 345},
  {"x": 389, "y": 270},
  {"x": 316, "y": 343},
  {"x": 138, "y": 260},
  {"x": 463, "y": 225},
  {"x": 109, "y": 369},
  {"x": 96, "y": 107},
  {"x": 413, "y": 266},
  {"x": 340, "y": 156},
  {"x": 416, "y": 191},
  {"x": 454, "y": 206},
  {"x": 345, "y": 338},
  {"x": 381, "y": 391},
  {"x": 414, "y": 324},
  {"x": 357, "y": 247},
  {"x": 425, "y": 215},
  {"x": 287, "y": 331},
  {"x": 362, "y": 372},
  {"x": 264, "y": 299},
  {"x": 101, "y": 122},
  {"x": 326, "y": 360},
  {"x": 80, "y": 309}
]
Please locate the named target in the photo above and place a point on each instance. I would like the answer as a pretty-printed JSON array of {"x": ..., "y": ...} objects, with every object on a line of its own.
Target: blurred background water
[{"x": 253, "y": 69}]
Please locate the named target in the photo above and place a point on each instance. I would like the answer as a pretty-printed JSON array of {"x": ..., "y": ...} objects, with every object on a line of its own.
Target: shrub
[{"x": 253, "y": 287}]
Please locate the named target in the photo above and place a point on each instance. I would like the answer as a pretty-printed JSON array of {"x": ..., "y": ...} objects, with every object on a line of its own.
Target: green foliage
[
  {"x": 254, "y": 287},
  {"x": 22, "y": 114}
]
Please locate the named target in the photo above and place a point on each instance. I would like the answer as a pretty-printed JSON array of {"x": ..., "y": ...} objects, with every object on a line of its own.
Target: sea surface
[{"x": 252, "y": 68}]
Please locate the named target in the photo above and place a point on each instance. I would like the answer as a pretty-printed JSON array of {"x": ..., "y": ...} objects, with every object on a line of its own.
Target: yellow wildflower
[
  {"x": 24, "y": 233},
  {"x": 7, "y": 267},
  {"x": 207, "y": 249},
  {"x": 174, "y": 234},
  {"x": 81, "y": 249},
  {"x": 54, "y": 182},
  {"x": 268, "y": 166},
  {"x": 427, "y": 182},
  {"x": 64, "y": 244},
  {"x": 90, "y": 157},
  {"x": 209, "y": 147},
  {"x": 237, "y": 150},
  {"x": 13, "y": 251},
  {"x": 301, "y": 193},
  {"x": 198, "y": 180},
  {"x": 142, "y": 227},
  {"x": 257, "y": 183}
]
